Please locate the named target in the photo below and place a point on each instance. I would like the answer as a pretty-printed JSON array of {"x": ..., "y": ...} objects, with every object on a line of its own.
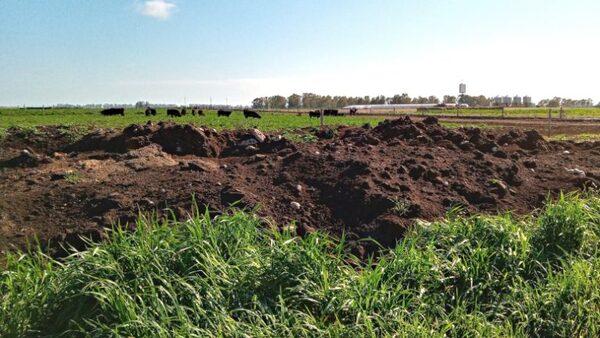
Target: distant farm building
[{"x": 517, "y": 101}]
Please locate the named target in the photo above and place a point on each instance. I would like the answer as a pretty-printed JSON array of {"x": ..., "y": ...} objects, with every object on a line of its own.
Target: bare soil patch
[{"x": 367, "y": 182}]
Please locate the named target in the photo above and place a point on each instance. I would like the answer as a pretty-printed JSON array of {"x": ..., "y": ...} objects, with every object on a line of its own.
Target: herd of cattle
[
  {"x": 180, "y": 112},
  {"x": 330, "y": 112},
  {"x": 226, "y": 113}
]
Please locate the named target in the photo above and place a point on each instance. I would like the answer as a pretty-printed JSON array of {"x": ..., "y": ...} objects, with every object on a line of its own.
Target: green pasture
[
  {"x": 84, "y": 119},
  {"x": 25, "y": 118},
  {"x": 554, "y": 113}
]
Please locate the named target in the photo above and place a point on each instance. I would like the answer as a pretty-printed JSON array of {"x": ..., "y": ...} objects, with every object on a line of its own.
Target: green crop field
[
  {"x": 568, "y": 113},
  {"x": 25, "y": 118},
  {"x": 478, "y": 276},
  {"x": 80, "y": 120}
]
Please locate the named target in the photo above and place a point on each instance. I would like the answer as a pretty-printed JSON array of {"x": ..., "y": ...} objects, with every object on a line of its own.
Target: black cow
[
  {"x": 312, "y": 114},
  {"x": 150, "y": 111},
  {"x": 197, "y": 111},
  {"x": 222, "y": 112},
  {"x": 183, "y": 111},
  {"x": 353, "y": 111},
  {"x": 173, "y": 112},
  {"x": 330, "y": 112},
  {"x": 251, "y": 113},
  {"x": 113, "y": 111}
]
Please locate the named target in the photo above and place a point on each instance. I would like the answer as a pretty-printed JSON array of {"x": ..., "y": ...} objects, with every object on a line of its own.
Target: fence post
[
  {"x": 561, "y": 113},
  {"x": 321, "y": 117},
  {"x": 503, "y": 116},
  {"x": 549, "y": 114}
]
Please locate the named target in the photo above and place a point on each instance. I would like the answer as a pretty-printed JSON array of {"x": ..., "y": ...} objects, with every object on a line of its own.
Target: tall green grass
[{"x": 230, "y": 276}]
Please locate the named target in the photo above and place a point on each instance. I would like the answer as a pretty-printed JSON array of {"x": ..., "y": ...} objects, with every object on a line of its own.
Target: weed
[
  {"x": 228, "y": 276},
  {"x": 401, "y": 206},
  {"x": 73, "y": 177},
  {"x": 72, "y": 133},
  {"x": 300, "y": 137}
]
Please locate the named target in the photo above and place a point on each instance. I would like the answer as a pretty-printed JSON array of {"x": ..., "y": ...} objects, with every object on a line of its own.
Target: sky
[{"x": 231, "y": 51}]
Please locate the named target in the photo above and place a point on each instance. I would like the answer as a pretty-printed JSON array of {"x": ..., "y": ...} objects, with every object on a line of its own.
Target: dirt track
[
  {"x": 543, "y": 126},
  {"x": 366, "y": 181}
]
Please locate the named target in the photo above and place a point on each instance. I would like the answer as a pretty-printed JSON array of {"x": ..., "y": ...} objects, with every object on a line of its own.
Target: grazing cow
[
  {"x": 193, "y": 112},
  {"x": 200, "y": 112},
  {"x": 150, "y": 111},
  {"x": 113, "y": 111},
  {"x": 222, "y": 112},
  {"x": 173, "y": 112},
  {"x": 251, "y": 113},
  {"x": 353, "y": 111},
  {"x": 312, "y": 114},
  {"x": 330, "y": 112},
  {"x": 183, "y": 111}
]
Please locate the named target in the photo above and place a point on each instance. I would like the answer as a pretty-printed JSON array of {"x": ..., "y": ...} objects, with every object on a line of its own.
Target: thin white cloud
[{"x": 158, "y": 9}]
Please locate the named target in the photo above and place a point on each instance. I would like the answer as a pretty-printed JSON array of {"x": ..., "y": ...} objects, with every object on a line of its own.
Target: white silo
[{"x": 517, "y": 101}]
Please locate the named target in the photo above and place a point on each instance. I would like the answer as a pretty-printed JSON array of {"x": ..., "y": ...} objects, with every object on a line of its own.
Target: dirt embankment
[{"x": 364, "y": 181}]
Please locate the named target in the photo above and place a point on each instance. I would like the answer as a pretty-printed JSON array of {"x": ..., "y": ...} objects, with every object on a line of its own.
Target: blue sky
[{"x": 175, "y": 50}]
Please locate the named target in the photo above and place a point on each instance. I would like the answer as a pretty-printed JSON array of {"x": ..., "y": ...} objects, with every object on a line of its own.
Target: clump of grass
[
  {"x": 567, "y": 227},
  {"x": 72, "y": 133},
  {"x": 400, "y": 206},
  {"x": 228, "y": 276},
  {"x": 300, "y": 137},
  {"x": 73, "y": 177}
]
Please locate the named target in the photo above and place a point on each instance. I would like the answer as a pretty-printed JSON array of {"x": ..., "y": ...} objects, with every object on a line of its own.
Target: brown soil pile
[{"x": 364, "y": 181}]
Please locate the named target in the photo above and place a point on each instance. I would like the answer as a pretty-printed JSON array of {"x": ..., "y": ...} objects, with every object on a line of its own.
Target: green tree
[
  {"x": 378, "y": 100},
  {"x": 294, "y": 101},
  {"x": 555, "y": 102},
  {"x": 401, "y": 99},
  {"x": 433, "y": 99},
  {"x": 259, "y": 103},
  {"x": 277, "y": 102},
  {"x": 449, "y": 99},
  {"x": 419, "y": 100},
  {"x": 340, "y": 101},
  {"x": 309, "y": 100}
]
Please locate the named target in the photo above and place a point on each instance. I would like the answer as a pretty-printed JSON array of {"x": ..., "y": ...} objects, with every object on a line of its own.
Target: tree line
[
  {"x": 558, "y": 101},
  {"x": 311, "y": 100}
]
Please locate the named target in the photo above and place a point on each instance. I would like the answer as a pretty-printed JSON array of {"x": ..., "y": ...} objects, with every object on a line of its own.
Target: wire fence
[{"x": 592, "y": 113}]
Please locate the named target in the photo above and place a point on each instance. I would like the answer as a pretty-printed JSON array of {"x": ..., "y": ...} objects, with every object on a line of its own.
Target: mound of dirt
[
  {"x": 42, "y": 139},
  {"x": 177, "y": 139},
  {"x": 367, "y": 182}
]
